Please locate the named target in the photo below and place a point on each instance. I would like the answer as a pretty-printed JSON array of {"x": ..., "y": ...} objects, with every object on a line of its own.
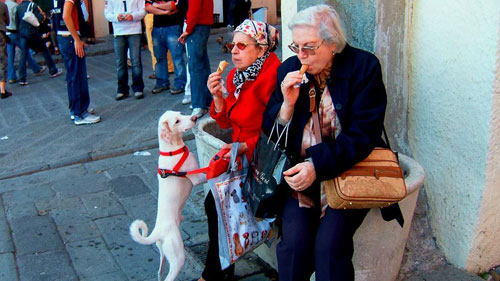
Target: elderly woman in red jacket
[{"x": 239, "y": 105}]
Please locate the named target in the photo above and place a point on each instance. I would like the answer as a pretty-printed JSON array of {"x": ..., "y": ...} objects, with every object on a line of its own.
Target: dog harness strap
[
  {"x": 181, "y": 161},
  {"x": 175, "y": 152}
]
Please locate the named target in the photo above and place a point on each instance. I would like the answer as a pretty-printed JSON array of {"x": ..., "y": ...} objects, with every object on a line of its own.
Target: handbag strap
[{"x": 314, "y": 111}]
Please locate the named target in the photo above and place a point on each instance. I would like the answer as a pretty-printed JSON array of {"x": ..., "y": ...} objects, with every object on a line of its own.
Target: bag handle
[
  {"x": 313, "y": 109},
  {"x": 285, "y": 129}
]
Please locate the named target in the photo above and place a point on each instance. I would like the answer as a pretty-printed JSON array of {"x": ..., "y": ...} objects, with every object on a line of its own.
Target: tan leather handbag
[{"x": 375, "y": 182}]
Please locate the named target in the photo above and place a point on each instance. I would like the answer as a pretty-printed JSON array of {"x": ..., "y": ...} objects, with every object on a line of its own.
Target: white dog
[{"x": 173, "y": 193}]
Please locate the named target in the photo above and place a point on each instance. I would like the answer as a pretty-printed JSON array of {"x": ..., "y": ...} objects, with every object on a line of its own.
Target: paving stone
[
  {"x": 249, "y": 264},
  {"x": 35, "y": 234},
  {"x": 47, "y": 204},
  {"x": 128, "y": 186},
  {"x": 16, "y": 211},
  {"x": 27, "y": 195},
  {"x": 49, "y": 266},
  {"x": 141, "y": 207},
  {"x": 74, "y": 224},
  {"x": 6, "y": 244},
  {"x": 446, "y": 273},
  {"x": 103, "y": 204},
  {"x": 8, "y": 270},
  {"x": 75, "y": 186},
  {"x": 91, "y": 258},
  {"x": 112, "y": 276},
  {"x": 125, "y": 170},
  {"x": 197, "y": 232},
  {"x": 151, "y": 181},
  {"x": 256, "y": 277},
  {"x": 115, "y": 230},
  {"x": 137, "y": 261}
]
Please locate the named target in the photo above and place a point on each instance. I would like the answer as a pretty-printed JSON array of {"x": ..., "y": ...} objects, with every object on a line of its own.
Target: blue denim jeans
[
  {"x": 122, "y": 43},
  {"x": 37, "y": 44},
  {"x": 15, "y": 41},
  {"x": 165, "y": 38},
  {"x": 199, "y": 66},
  {"x": 76, "y": 77}
]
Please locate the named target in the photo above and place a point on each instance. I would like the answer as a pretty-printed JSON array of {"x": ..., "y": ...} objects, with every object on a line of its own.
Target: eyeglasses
[
  {"x": 307, "y": 50},
  {"x": 241, "y": 45}
]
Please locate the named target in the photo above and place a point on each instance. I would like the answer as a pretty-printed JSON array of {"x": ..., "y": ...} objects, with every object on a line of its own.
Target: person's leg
[
  {"x": 160, "y": 48},
  {"x": 121, "y": 47},
  {"x": 199, "y": 66},
  {"x": 295, "y": 251},
  {"x": 170, "y": 62},
  {"x": 134, "y": 43},
  {"x": 177, "y": 51},
  {"x": 148, "y": 21},
  {"x": 334, "y": 244},
  {"x": 76, "y": 78},
  {"x": 22, "y": 59},
  {"x": 46, "y": 54},
  {"x": 3, "y": 65},
  {"x": 11, "y": 55},
  {"x": 212, "y": 270}
]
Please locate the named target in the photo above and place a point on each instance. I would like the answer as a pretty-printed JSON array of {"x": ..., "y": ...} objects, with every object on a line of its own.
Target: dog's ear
[{"x": 166, "y": 132}]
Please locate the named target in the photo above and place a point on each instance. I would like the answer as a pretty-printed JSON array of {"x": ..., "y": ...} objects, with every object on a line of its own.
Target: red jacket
[
  {"x": 246, "y": 115},
  {"x": 199, "y": 12}
]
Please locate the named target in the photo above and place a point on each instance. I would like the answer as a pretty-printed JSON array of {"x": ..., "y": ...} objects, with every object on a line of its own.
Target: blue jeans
[
  {"x": 121, "y": 44},
  {"x": 164, "y": 39},
  {"x": 76, "y": 77},
  {"x": 15, "y": 41},
  {"x": 37, "y": 44},
  {"x": 199, "y": 66}
]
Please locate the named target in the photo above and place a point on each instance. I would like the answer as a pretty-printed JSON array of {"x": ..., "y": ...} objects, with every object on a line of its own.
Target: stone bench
[{"x": 378, "y": 245}]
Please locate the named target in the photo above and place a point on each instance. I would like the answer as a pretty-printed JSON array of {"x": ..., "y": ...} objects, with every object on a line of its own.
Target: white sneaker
[
  {"x": 199, "y": 112},
  {"x": 89, "y": 119},
  {"x": 186, "y": 99},
  {"x": 89, "y": 110},
  {"x": 59, "y": 72}
]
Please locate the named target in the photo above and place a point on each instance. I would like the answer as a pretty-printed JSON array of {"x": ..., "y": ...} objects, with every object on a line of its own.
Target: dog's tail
[{"x": 142, "y": 236}]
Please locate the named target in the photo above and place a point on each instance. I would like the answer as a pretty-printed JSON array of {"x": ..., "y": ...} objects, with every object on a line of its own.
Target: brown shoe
[{"x": 152, "y": 76}]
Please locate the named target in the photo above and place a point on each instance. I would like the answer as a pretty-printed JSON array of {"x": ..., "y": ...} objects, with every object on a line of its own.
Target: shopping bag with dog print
[{"x": 239, "y": 231}]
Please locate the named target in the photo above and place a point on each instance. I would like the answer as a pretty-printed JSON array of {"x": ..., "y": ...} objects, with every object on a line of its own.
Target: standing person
[
  {"x": 351, "y": 101},
  {"x": 67, "y": 19},
  {"x": 30, "y": 38},
  {"x": 126, "y": 17},
  {"x": 148, "y": 22},
  {"x": 249, "y": 86},
  {"x": 199, "y": 18},
  {"x": 4, "y": 21},
  {"x": 167, "y": 27},
  {"x": 15, "y": 41}
]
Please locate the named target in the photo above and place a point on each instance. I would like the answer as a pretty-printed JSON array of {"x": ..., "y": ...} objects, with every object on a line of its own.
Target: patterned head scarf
[{"x": 262, "y": 32}]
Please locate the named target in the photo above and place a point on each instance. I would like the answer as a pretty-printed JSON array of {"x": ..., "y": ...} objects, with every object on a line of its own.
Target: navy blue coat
[{"x": 359, "y": 97}]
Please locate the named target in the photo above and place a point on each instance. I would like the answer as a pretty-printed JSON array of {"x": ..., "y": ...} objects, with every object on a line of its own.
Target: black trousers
[
  {"x": 213, "y": 271},
  {"x": 310, "y": 244}
]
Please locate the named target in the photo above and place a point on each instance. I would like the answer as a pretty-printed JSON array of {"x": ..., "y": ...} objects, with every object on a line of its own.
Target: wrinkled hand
[
  {"x": 129, "y": 17},
  {"x": 290, "y": 92},
  {"x": 300, "y": 176},
  {"x": 183, "y": 37},
  {"x": 243, "y": 149},
  {"x": 214, "y": 85},
  {"x": 79, "y": 48},
  {"x": 121, "y": 17}
]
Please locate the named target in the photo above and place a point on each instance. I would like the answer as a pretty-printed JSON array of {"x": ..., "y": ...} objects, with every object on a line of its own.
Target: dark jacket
[
  {"x": 359, "y": 98},
  {"x": 25, "y": 29}
]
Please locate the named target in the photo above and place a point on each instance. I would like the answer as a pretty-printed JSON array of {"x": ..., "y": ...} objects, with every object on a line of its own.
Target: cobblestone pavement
[{"x": 68, "y": 193}]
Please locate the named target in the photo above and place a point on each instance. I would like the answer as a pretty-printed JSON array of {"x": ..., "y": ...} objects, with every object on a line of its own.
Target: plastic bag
[
  {"x": 30, "y": 17},
  {"x": 239, "y": 231}
]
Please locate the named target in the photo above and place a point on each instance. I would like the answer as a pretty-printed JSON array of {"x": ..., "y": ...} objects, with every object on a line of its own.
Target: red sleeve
[
  {"x": 193, "y": 14},
  {"x": 251, "y": 144},
  {"x": 220, "y": 117}
]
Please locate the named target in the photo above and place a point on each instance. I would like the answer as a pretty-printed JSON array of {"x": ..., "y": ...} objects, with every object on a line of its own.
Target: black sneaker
[
  {"x": 157, "y": 89},
  {"x": 176, "y": 91},
  {"x": 5, "y": 95}
]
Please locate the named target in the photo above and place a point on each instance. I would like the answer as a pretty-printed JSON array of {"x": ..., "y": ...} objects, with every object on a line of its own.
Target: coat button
[{"x": 338, "y": 106}]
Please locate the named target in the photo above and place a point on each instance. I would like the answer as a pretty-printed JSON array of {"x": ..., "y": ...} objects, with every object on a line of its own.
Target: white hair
[{"x": 326, "y": 20}]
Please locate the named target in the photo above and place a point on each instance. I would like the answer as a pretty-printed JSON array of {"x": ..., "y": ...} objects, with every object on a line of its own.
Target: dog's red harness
[{"x": 164, "y": 173}]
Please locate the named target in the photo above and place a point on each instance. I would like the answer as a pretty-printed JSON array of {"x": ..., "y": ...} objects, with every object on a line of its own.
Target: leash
[{"x": 164, "y": 173}]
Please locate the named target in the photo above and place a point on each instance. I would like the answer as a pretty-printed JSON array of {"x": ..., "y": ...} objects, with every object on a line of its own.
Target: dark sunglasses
[
  {"x": 307, "y": 50},
  {"x": 241, "y": 45}
]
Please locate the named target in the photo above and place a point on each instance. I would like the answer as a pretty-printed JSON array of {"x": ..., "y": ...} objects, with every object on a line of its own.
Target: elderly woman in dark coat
[{"x": 351, "y": 113}]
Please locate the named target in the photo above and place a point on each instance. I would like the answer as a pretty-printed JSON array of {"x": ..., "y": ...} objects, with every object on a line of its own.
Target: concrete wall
[
  {"x": 100, "y": 23},
  {"x": 452, "y": 73}
]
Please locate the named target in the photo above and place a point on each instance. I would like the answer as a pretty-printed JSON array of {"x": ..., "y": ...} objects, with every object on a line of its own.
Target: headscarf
[{"x": 262, "y": 32}]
